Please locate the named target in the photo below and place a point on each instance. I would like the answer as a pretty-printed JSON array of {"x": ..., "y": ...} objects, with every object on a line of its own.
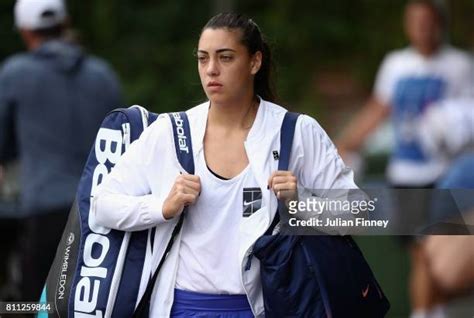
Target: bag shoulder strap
[
  {"x": 182, "y": 140},
  {"x": 184, "y": 152},
  {"x": 286, "y": 139},
  {"x": 286, "y": 143}
]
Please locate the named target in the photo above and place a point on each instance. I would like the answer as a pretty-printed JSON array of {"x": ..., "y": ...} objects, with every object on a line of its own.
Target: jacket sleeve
[
  {"x": 317, "y": 162},
  {"x": 321, "y": 173},
  {"x": 124, "y": 201}
]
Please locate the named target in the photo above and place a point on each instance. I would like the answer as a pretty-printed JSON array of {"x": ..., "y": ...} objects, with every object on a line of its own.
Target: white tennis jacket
[{"x": 131, "y": 197}]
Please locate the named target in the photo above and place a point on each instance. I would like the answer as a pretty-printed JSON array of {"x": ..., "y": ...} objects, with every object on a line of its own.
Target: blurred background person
[
  {"x": 408, "y": 83},
  {"x": 52, "y": 101}
]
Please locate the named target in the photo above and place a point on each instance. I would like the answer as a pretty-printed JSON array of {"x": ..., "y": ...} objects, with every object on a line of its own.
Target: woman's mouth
[{"x": 214, "y": 84}]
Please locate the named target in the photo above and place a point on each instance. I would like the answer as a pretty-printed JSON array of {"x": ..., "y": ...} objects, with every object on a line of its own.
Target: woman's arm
[
  {"x": 316, "y": 160},
  {"x": 124, "y": 201},
  {"x": 322, "y": 177}
]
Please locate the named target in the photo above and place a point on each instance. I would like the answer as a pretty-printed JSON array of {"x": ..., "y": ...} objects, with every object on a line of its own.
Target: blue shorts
[{"x": 192, "y": 304}]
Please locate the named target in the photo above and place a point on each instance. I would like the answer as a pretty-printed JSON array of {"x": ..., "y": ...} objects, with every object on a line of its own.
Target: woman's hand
[
  {"x": 284, "y": 184},
  {"x": 185, "y": 191}
]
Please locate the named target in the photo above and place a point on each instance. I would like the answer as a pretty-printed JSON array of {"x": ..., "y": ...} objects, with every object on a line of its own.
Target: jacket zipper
[{"x": 249, "y": 257}]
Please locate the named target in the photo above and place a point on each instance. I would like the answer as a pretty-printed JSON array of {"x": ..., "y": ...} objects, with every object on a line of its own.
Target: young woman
[{"x": 234, "y": 135}]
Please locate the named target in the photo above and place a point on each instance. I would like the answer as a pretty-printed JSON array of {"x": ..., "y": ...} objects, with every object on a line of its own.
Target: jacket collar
[
  {"x": 256, "y": 133},
  {"x": 260, "y": 143},
  {"x": 256, "y": 130}
]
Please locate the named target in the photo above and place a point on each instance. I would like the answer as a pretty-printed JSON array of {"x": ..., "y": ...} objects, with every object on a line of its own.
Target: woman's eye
[
  {"x": 226, "y": 58},
  {"x": 202, "y": 59}
]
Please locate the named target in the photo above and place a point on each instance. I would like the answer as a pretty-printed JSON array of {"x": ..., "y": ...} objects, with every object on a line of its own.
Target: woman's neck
[{"x": 234, "y": 115}]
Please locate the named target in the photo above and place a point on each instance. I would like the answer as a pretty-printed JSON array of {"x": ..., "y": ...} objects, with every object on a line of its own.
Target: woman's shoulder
[
  {"x": 163, "y": 123},
  {"x": 159, "y": 128},
  {"x": 305, "y": 123},
  {"x": 269, "y": 115}
]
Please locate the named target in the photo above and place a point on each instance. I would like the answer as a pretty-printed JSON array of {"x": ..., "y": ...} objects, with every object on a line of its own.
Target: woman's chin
[{"x": 215, "y": 98}]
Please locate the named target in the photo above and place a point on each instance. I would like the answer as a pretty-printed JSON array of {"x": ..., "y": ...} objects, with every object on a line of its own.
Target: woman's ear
[{"x": 256, "y": 62}]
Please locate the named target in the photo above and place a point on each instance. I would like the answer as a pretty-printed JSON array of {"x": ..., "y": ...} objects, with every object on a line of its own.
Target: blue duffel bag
[{"x": 317, "y": 275}]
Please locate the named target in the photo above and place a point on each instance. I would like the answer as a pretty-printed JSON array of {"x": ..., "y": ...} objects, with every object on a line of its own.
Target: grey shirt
[{"x": 52, "y": 101}]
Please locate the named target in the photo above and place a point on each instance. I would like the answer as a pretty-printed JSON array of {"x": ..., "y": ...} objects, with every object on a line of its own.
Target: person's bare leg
[
  {"x": 424, "y": 293},
  {"x": 451, "y": 262}
]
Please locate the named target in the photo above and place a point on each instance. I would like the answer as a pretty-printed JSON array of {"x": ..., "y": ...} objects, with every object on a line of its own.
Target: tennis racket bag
[{"x": 97, "y": 271}]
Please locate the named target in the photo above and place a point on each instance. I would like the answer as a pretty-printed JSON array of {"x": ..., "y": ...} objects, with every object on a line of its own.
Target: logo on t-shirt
[
  {"x": 412, "y": 96},
  {"x": 252, "y": 201}
]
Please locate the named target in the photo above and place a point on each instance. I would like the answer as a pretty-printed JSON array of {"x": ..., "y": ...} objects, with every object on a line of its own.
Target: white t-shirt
[
  {"x": 410, "y": 84},
  {"x": 208, "y": 255}
]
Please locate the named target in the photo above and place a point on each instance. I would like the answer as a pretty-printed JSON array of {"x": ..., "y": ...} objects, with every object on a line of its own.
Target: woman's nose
[{"x": 212, "y": 68}]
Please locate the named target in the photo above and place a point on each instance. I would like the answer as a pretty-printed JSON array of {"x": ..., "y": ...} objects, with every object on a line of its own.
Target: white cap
[{"x": 39, "y": 14}]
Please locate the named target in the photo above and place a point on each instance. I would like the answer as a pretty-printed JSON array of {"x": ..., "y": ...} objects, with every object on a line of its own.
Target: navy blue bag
[
  {"x": 314, "y": 276},
  {"x": 97, "y": 271}
]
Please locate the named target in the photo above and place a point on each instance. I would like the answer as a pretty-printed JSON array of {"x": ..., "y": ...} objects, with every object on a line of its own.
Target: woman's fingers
[
  {"x": 187, "y": 198},
  {"x": 284, "y": 184},
  {"x": 188, "y": 184},
  {"x": 281, "y": 179},
  {"x": 185, "y": 191}
]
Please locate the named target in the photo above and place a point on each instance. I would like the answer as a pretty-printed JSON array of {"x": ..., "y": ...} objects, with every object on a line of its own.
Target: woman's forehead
[{"x": 218, "y": 39}]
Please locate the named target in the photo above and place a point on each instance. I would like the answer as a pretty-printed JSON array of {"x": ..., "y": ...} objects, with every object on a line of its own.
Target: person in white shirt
[
  {"x": 408, "y": 84},
  {"x": 410, "y": 81},
  {"x": 232, "y": 198}
]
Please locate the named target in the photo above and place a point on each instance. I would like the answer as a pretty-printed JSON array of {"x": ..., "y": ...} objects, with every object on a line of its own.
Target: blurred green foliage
[{"x": 151, "y": 43}]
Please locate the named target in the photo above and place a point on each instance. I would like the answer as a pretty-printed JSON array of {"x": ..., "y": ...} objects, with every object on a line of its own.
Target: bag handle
[
  {"x": 184, "y": 152},
  {"x": 286, "y": 142}
]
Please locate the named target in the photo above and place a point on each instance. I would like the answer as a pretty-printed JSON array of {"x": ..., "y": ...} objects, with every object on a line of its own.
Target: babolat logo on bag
[
  {"x": 180, "y": 133},
  {"x": 91, "y": 274}
]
